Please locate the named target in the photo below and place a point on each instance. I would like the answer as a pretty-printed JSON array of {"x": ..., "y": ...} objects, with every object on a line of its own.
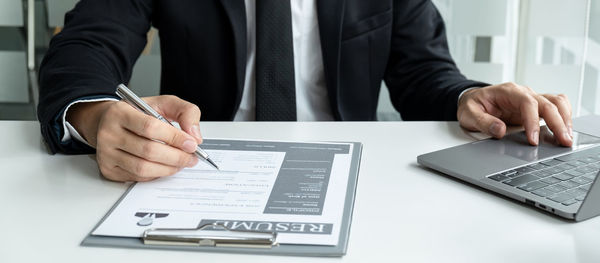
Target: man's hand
[
  {"x": 488, "y": 109},
  {"x": 127, "y": 140}
]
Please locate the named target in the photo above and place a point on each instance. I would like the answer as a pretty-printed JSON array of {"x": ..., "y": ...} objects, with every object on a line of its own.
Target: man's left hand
[{"x": 489, "y": 109}]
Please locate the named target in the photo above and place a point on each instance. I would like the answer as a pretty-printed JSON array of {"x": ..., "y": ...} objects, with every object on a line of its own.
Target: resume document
[{"x": 295, "y": 189}]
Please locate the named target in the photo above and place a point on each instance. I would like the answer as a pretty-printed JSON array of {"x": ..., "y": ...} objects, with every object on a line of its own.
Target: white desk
[{"x": 403, "y": 213}]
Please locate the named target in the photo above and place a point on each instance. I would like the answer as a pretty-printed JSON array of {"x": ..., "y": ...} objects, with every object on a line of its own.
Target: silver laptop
[{"x": 559, "y": 180}]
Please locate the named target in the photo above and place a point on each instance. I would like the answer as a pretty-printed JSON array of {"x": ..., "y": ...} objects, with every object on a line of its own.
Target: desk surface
[{"x": 403, "y": 213}]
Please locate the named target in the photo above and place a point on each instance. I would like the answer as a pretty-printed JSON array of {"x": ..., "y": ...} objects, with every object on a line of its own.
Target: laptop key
[
  {"x": 569, "y": 184},
  {"x": 594, "y": 165},
  {"x": 573, "y": 156},
  {"x": 511, "y": 173},
  {"x": 559, "y": 198},
  {"x": 586, "y": 187},
  {"x": 536, "y": 173},
  {"x": 543, "y": 173},
  {"x": 555, "y": 188},
  {"x": 565, "y": 166},
  {"x": 524, "y": 169},
  {"x": 542, "y": 192},
  {"x": 576, "y": 163},
  {"x": 591, "y": 176},
  {"x": 553, "y": 170},
  {"x": 551, "y": 180},
  {"x": 577, "y": 192},
  {"x": 574, "y": 173},
  {"x": 581, "y": 180},
  {"x": 580, "y": 198},
  {"x": 588, "y": 159},
  {"x": 498, "y": 177},
  {"x": 569, "y": 202},
  {"x": 552, "y": 162},
  {"x": 526, "y": 178},
  {"x": 586, "y": 169},
  {"x": 532, "y": 186},
  {"x": 594, "y": 157},
  {"x": 563, "y": 176},
  {"x": 537, "y": 166}
]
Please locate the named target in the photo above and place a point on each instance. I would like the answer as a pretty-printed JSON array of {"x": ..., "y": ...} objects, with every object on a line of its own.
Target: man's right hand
[{"x": 127, "y": 140}]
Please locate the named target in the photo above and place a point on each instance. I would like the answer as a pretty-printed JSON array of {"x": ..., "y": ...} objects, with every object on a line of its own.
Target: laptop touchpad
[
  {"x": 485, "y": 157},
  {"x": 517, "y": 146}
]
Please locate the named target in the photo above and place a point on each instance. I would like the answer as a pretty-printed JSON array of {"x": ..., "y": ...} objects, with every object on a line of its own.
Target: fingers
[
  {"x": 152, "y": 128},
  {"x": 155, "y": 151},
  {"x": 185, "y": 113},
  {"x": 564, "y": 108},
  {"x": 106, "y": 157},
  {"x": 140, "y": 168},
  {"x": 485, "y": 108},
  {"x": 530, "y": 118},
  {"x": 518, "y": 102},
  {"x": 555, "y": 120},
  {"x": 118, "y": 174},
  {"x": 474, "y": 117}
]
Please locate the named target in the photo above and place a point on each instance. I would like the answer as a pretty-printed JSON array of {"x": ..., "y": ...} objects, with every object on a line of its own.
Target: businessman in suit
[{"x": 264, "y": 60}]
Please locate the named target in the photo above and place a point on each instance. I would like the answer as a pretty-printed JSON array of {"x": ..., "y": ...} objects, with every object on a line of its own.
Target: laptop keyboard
[{"x": 565, "y": 179}]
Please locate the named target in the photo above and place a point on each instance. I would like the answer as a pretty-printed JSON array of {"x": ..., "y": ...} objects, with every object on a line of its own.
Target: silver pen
[{"x": 135, "y": 101}]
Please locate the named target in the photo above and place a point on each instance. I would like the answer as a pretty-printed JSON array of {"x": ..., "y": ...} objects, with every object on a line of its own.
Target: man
[{"x": 267, "y": 60}]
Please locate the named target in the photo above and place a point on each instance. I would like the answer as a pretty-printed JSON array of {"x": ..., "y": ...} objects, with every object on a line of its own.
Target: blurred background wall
[{"x": 552, "y": 46}]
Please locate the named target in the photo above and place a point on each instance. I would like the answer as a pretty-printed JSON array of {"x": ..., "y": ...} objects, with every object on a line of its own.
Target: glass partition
[
  {"x": 590, "y": 98},
  {"x": 552, "y": 42},
  {"x": 15, "y": 98}
]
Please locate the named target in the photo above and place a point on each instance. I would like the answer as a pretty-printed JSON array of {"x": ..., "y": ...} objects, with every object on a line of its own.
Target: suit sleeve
[
  {"x": 95, "y": 51},
  {"x": 422, "y": 78}
]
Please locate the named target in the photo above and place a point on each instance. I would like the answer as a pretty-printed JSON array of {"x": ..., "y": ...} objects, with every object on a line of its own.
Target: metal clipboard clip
[{"x": 211, "y": 235}]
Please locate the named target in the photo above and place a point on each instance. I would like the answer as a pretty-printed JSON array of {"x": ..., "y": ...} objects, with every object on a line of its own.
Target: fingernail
[
  {"x": 192, "y": 162},
  {"x": 568, "y": 137},
  {"x": 189, "y": 146},
  {"x": 536, "y": 137},
  {"x": 495, "y": 129},
  {"x": 196, "y": 132},
  {"x": 571, "y": 131}
]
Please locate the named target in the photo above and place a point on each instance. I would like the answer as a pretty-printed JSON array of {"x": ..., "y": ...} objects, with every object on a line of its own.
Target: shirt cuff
[
  {"x": 69, "y": 131},
  {"x": 463, "y": 92}
]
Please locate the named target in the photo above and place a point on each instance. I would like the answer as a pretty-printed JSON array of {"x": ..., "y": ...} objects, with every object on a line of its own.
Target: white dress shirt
[{"x": 312, "y": 102}]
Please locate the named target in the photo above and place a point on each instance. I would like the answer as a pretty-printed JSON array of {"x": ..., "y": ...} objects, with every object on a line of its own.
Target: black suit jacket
[{"x": 203, "y": 48}]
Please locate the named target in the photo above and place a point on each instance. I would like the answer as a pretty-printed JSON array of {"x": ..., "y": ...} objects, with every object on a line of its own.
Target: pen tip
[{"x": 213, "y": 164}]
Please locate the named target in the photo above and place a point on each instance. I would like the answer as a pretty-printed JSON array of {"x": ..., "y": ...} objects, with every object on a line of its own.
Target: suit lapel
[
  {"x": 236, "y": 11},
  {"x": 330, "y": 15}
]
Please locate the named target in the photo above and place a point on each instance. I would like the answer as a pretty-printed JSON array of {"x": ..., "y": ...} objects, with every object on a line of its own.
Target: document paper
[{"x": 295, "y": 189}]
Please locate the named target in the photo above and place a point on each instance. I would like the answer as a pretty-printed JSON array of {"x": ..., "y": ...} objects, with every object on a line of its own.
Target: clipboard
[{"x": 258, "y": 244}]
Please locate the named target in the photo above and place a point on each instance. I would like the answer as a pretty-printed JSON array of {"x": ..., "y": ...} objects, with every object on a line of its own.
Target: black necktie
[{"x": 275, "y": 85}]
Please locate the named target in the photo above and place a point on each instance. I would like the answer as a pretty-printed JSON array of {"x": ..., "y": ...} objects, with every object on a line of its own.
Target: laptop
[{"x": 559, "y": 180}]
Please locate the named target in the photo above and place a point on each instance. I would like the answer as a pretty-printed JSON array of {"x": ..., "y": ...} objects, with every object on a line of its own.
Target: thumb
[
  {"x": 475, "y": 118},
  {"x": 185, "y": 113}
]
